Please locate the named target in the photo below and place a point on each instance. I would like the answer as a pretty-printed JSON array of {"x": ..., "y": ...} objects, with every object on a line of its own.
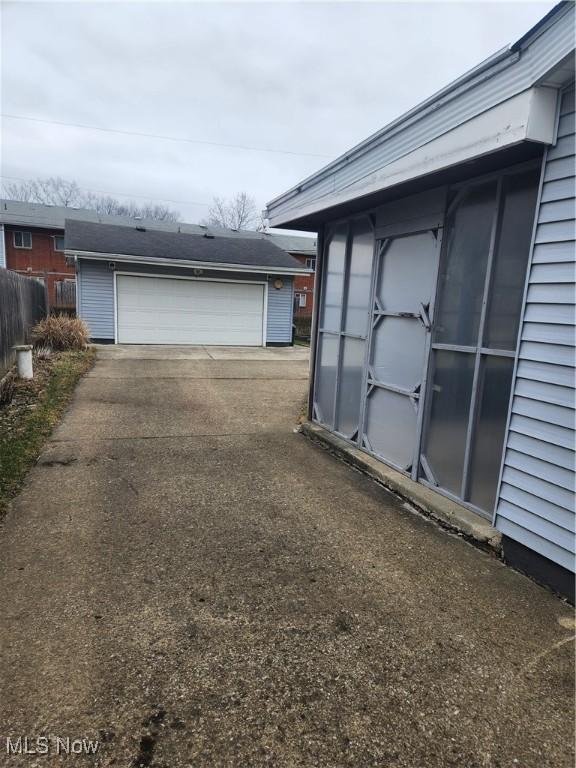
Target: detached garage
[{"x": 143, "y": 286}]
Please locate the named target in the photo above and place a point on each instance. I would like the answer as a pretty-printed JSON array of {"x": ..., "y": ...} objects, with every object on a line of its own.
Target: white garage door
[{"x": 160, "y": 310}]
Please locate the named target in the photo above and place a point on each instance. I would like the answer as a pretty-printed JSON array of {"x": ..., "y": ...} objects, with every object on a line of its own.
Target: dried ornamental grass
[{"x": 60, "y": 332}]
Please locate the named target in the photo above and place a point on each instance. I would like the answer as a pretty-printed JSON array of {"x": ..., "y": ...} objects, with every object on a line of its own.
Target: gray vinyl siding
[
  {"x": 536, "y": 504},
  {"x": 96, "y": 296},
  {"x": 279, "y": 319}
]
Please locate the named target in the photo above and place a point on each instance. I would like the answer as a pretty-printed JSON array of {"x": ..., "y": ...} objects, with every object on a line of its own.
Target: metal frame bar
[
  {"x": 522, "y": 314},
  {"x": 365, "y": 387},
  {"x": 343, "y": 313},
  {"x": 478, "y": 378},
  {"x": 424, "y": 400},
  {"x": 380, "y": 247}
]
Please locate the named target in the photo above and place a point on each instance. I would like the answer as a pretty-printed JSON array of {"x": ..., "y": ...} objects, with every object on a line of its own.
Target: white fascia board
[
  {"x": 186, "y": 264},
  {"x": 529, "y": 116}
]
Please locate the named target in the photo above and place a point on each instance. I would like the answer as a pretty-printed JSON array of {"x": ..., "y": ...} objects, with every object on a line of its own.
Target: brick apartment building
[{"x": 39, "y": 253}]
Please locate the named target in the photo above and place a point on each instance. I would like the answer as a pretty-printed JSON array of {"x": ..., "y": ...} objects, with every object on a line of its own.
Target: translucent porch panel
[{"x": 326, "y": 367}]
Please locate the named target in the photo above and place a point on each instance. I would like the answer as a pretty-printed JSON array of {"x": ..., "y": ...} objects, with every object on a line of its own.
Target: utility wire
[
  {"x": 163, "y": 137},
  {"x": 150, "y": 198}
]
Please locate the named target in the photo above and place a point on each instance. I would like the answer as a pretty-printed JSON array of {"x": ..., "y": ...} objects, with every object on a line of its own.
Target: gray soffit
[
  {"x": 94, "y": 238},
  {"x": 539, "y": 58},
  {"x": 22, "y": 214}
]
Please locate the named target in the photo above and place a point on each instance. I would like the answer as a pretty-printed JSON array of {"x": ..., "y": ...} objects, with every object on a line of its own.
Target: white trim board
[
  {"x": 528, "y": 116},
  {"x": 185, "y": 264}
]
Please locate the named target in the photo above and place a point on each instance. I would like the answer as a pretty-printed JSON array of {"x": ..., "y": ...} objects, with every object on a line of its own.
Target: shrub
[{"x": 60, "y": 332}]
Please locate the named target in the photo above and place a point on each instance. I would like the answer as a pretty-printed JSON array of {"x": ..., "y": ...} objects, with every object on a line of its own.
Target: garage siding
[
  {"x": 536, "y": 503},
  {"x": 279, "y": 320},
  {"x": 96, "y": 297}
]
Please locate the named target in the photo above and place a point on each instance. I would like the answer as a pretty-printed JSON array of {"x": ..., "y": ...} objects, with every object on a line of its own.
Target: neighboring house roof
[
  {"x": 542, "y": 59},
  {"x": 122, "y": 242},
  {"x": 23, "y": 214}
]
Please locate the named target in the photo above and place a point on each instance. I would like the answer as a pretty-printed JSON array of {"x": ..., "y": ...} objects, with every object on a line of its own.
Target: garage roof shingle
[{"x": 90, "y": 237}]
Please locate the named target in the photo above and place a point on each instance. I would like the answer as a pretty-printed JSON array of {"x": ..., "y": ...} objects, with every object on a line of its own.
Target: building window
[
  {"x": 58, "y": 242},
  {"x": 22, "y": 239},
  {"x": 311, "y": 263},
  {"x": 299, "y": 300}
]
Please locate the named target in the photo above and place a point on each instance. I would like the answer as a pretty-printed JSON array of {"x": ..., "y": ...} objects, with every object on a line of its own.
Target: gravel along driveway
[{"x": 191, "y": 583}]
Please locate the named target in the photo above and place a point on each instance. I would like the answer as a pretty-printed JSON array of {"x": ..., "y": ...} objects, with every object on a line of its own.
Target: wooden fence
[
  {"x": 22, "y": 305},
  {"x": 65, "y": 294}
]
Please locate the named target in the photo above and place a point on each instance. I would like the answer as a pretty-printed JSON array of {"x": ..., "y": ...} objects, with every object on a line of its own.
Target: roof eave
[{"x": 186, "y": 263}]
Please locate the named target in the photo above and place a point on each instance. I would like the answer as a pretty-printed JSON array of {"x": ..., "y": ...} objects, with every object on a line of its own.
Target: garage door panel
[{"x": 153, "y": 310}]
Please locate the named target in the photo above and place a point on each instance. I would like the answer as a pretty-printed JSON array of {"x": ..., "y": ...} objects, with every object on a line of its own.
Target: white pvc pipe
[{"x": 24, "y": 361}]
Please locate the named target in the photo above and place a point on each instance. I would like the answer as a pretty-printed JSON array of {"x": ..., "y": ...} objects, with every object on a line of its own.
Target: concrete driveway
[{"x": 190, "y": 582}]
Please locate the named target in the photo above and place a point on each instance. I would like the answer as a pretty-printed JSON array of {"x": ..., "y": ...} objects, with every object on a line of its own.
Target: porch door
[{"x": 404, "y": 288}]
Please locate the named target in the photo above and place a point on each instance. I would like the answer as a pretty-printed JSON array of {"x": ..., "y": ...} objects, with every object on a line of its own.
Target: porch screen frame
[
  {"x": 480, "y": 352},
  {"x": 341, "y": 334}
]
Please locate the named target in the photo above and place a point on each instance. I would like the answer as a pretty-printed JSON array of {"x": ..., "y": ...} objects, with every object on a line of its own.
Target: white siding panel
[
  {"x": 553, "y": 253},
  {"x": 549, "y": 333},
  {"x": 548, "y": 433},
  {"x": 555, "y": 374},
  {"x": 563, "y": 457},
  {"x": 540, "y": 507},
  {"x": 564, "y": 272},
  {"x": 550, "y": 313},
  {"x": 560, "y": 169},
  {"x": 551, "y": 293},
  {"x": 566, "y": 126},
  {"x": 546, "y": 393},
  {"x": 558, "y": 190},
  {"x": 564, "y": 148},
  {"x": 558, "y": 210},
  {"x": 551, "y": 414},
  {"x": 555, "y": 231},
  {"x": 523, "y": 535},
  {"x": 547, "y": 353},
  {"x": 538, "y": 525},
  {"x": 564, "y": 478},
  {"x": 536, "y": 503},
  {"x": 540, "y": 488}
]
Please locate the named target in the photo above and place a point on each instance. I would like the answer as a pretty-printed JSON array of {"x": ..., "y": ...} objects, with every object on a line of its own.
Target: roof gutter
[
  {"x": 484, "y": 71},
  {"x": 186, "y": 263}
]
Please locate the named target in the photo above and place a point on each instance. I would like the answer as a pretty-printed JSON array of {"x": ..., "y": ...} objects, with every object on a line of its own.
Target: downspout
[
  {"x": 315, "y": 319},
  {"x": 2, "y": 247}
]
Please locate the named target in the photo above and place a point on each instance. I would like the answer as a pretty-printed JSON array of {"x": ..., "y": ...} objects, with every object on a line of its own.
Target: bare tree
[
  {"x": 238, "y": 212},
  {"x": 22, "y": 191},
  {"x": 58, "y": 191}
]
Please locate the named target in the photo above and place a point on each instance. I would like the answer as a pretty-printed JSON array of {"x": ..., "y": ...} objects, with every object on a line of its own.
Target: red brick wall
[
  {"x": 304, "y": 284},
  {"x": 42, "y": 260}
]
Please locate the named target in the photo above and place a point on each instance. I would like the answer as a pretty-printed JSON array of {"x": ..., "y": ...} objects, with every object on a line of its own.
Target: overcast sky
[{"x": 307, "y": 80}]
